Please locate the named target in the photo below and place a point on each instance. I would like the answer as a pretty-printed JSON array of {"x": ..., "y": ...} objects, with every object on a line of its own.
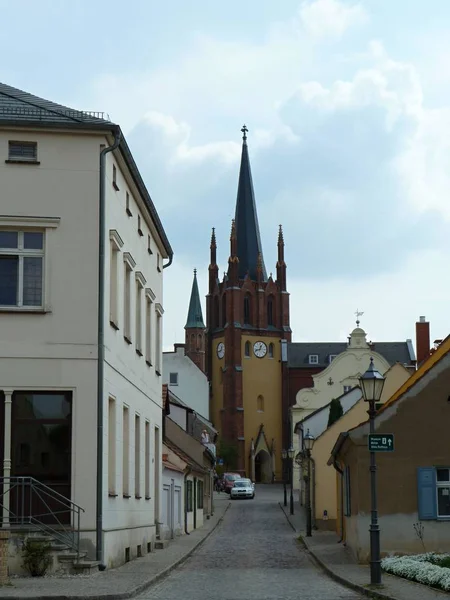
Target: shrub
[
  {"x": 36, "y": 557},
  {"x": 430, "y": 568}
]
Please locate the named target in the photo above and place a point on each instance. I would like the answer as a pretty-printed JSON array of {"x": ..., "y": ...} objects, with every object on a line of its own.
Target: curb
[
  {"x": 346, "y": 582},
  {"x": 138, "y": 589}
]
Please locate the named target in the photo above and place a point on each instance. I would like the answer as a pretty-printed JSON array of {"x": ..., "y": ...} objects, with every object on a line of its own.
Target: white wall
[
  {"x": 192, "y": 388},
  {"x": 179, "y": 415},
  {"x": 172, "y": 503}
]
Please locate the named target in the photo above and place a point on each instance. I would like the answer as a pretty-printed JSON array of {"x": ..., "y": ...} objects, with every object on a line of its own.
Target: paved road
[{"x": 252, "y": 555}]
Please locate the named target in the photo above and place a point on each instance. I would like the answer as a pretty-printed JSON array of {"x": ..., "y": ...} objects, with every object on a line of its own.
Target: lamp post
[
  {"x": 284, "y": 456},
  {"x": 291, "y": 454},
  {"x": 372, "y": 383},
  {"x": 308, "y": 442}
]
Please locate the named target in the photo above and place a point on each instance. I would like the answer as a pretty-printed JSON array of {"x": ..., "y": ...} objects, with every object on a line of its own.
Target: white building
[{"x": 81, "y": 284}]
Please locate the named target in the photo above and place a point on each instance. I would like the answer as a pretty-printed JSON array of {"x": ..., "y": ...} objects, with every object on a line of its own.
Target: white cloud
[{"x": 331, "y": 18}]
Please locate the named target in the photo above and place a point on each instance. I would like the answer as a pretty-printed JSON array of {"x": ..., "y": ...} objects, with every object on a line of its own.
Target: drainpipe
[
  {"x": 101, "y": 345},
  {"x": 169, "y": 263},
  {"x": 341, "y": 473},
  {"x": 313, "y": 495},
  {"x": 188, "y": 472}
]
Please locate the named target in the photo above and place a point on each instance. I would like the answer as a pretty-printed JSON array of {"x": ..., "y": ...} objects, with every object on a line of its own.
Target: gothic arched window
[
  {"x": 247, "y": 310},
  {"x": 270, "y": 311},
  {"x": 271, "y": 349},
  {"x": 247, "y": 350}
]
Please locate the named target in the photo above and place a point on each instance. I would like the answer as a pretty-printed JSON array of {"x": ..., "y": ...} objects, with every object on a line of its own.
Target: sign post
[{"x": 383, "y": 442}]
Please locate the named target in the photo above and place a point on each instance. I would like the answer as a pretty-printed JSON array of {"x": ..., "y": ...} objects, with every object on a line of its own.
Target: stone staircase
[{"x": 64, "y": 560}]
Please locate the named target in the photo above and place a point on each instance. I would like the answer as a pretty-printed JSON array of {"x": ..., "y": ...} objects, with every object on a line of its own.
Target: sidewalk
[
  {"x": 124, "y": 582},
  {"x": 338, "y": 562}
]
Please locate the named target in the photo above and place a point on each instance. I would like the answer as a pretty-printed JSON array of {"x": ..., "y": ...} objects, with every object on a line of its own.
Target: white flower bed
[{"x": 423, "y": 568}]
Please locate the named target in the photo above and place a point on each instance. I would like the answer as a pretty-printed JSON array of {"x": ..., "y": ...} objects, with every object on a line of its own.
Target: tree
[
  {"x": 336, "y": 411},
  {"x": 228, "y": 453}
]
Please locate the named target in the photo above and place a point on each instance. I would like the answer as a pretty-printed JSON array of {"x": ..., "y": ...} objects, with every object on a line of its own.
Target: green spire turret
[{"x": 195, "y": 316}]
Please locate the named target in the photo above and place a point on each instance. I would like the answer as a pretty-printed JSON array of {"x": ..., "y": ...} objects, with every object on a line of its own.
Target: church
[{"x": 254, "y": 370}]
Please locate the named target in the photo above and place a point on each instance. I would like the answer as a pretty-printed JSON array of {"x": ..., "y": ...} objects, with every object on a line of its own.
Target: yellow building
[
  {"x": 247, "y": 332},
  {"x": 326, "y": 481}
]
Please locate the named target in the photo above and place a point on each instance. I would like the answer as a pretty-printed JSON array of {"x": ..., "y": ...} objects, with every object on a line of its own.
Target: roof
[
  {"x": 195, "y": 315},
  {"x": 187, "y": 459},
  {"x": 21, "y": 109},
  {"x": 321, "y": 408},
  {"x": 299, "y": 352},
  {"x": 247, "y": 228}
]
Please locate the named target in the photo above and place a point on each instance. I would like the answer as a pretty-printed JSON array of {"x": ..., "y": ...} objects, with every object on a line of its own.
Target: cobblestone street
[{"x": 252, "y": 555}]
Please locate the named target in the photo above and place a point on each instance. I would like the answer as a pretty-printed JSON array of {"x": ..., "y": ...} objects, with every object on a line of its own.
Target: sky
[{"x": 348, "y": 109}]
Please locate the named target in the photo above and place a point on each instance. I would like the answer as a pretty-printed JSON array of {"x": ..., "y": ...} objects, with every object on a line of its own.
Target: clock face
[
  {"x": 221, "y": 350},
  {"x": 260, "y": 349}
]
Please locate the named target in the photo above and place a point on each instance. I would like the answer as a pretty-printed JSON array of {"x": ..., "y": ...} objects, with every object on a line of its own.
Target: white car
[{"x": 243, "y": 488}]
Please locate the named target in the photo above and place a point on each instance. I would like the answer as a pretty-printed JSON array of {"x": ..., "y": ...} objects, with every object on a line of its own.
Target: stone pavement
[
  {"x": 125, "y": 581},
  {"x": 252, "y": 555},
  {"x": 337, "y": 560}
]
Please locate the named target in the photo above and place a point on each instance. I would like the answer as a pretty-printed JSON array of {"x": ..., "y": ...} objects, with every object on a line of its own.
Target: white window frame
[
  {"x": 31, "y": 224},
  {"x": 347, "y": 389},
  {"x": 159, "y": 333},
  {"x": 441, "y": 484},
  {"x": 173, "y": 380},
  {"x": 116, "y": 244},
  {"x": 332, "y": 357},
  {"x": 313, "y": 359},
  {"x": 140, "y": 285},
  {"x": 150, "y": 298},
  {"x": 129, "y": 264}
]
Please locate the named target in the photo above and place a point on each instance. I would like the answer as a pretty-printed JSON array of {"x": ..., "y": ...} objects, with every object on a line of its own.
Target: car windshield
[
  {"x": 242, "y": 483},
  {"x": 232, "y": 477}
]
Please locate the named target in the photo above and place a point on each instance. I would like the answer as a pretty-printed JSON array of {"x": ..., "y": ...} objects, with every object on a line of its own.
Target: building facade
[
  {"x": 81, "y": 282},
  {"x": 247, "y": 329}
]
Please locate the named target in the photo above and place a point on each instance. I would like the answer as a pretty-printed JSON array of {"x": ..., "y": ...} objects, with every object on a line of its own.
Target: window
[
  {"x": 347, "y": 494},
  {"x": 149, "y": 298},
  {"x": 199, "y": 494},
  {"x": 137, "y": 456},
  {"x": 271, "y": 350},
  {"x": 159, "y": 314},
  {"x": 116, "y": 244},
  {"x": 127, "y": 205},
  {"x": 147, "y": 460},
  {"x": 189, "y": 502},
  {"x": 260, "y": 403},
  {"x": 139, "y": 226},
  {"x": 114, "y": 181},
  {"x": 112, "y": 447},
  {"x": 129, "y": 266},
  {"x": 347, "y": 388},
  {"x": 270, "y": 312},
  {"x": 158, "y": 262},
  {"x": 332, "y": 357},
  {"x": 22, "y": 152},
  {"x": 173, "y": 378},
  {"x": 313, "y": 359},
  {"x": 140, "y": 283},
  {"x": 247, "y": 350},
  {"x": 21, "y": 268},
  {"x": 149, "y": 245},
  {"x": 247, "y": 310},
  {"x": 433, "y": 485},
  {"x": 126, "y": 452}
]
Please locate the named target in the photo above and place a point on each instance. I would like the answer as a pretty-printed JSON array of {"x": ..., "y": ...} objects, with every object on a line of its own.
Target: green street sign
[{"x": 383, "y": 442}]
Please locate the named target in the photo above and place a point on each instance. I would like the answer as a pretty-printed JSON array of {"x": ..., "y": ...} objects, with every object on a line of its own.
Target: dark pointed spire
[
  {"x": 281, "y": 265},
  {"x": 247, "y": 227},
  {"x": 195, "y": 316}
]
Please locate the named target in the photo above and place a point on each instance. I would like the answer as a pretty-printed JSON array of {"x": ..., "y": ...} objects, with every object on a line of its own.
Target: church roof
[
  {"x": 195, "y": 315},
  {"x": 21, "y": 109},
  {"x": 299, "y": 352},
  {"x": 247, "y": 227}
]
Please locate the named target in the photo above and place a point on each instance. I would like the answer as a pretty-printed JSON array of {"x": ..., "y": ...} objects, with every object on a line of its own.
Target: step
[
  {"x": 161, "y": 544},
  {"x": 85, "y": 567},
  {"x": 71, "y": 557}
]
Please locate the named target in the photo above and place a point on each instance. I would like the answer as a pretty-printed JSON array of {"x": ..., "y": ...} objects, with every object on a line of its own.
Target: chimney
[{"x": 422, "y": 340}]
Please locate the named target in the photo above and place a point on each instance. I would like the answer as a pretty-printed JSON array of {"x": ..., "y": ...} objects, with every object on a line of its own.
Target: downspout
[
  {"x": 188, "y": 472},
  {"x": 169, "y": 263},
  {"x": 341, "y": 473},
  {"x": 101, "y": 345},
  {"x": 313, "y": 495}
]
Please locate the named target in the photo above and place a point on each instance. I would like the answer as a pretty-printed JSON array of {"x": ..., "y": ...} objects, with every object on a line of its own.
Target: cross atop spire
[{"x": 244, "y": 132}]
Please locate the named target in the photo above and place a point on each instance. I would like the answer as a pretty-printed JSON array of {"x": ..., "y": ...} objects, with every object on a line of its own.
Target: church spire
[
  {"x": 247, "y": 227},
  {"x": 195, "y": 316}
]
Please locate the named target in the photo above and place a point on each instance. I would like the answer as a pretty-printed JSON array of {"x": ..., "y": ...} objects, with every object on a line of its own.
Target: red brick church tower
[{"x": 247, "y": 332}]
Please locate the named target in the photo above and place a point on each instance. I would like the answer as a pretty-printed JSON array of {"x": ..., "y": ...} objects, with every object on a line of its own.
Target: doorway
[{"x": 263, "y": 467}]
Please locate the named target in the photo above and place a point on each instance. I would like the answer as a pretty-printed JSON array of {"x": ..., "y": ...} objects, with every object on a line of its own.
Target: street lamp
[
  {"x": 372, "y": 383},
  {"x": 284, "y": 456},
  {"x": 308, "y": 442},
  {"x": 291, "y": 454}
]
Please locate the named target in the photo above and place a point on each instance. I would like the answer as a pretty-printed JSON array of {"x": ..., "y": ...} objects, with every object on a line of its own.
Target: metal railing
[{"x": 28, "y": 503}]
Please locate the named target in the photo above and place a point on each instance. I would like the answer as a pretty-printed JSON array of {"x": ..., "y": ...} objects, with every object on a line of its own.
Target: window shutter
[{"x": 426, "y": 493}]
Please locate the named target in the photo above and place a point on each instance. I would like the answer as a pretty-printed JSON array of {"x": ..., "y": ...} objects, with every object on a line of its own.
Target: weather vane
[{"x": 358, "y": 314}]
